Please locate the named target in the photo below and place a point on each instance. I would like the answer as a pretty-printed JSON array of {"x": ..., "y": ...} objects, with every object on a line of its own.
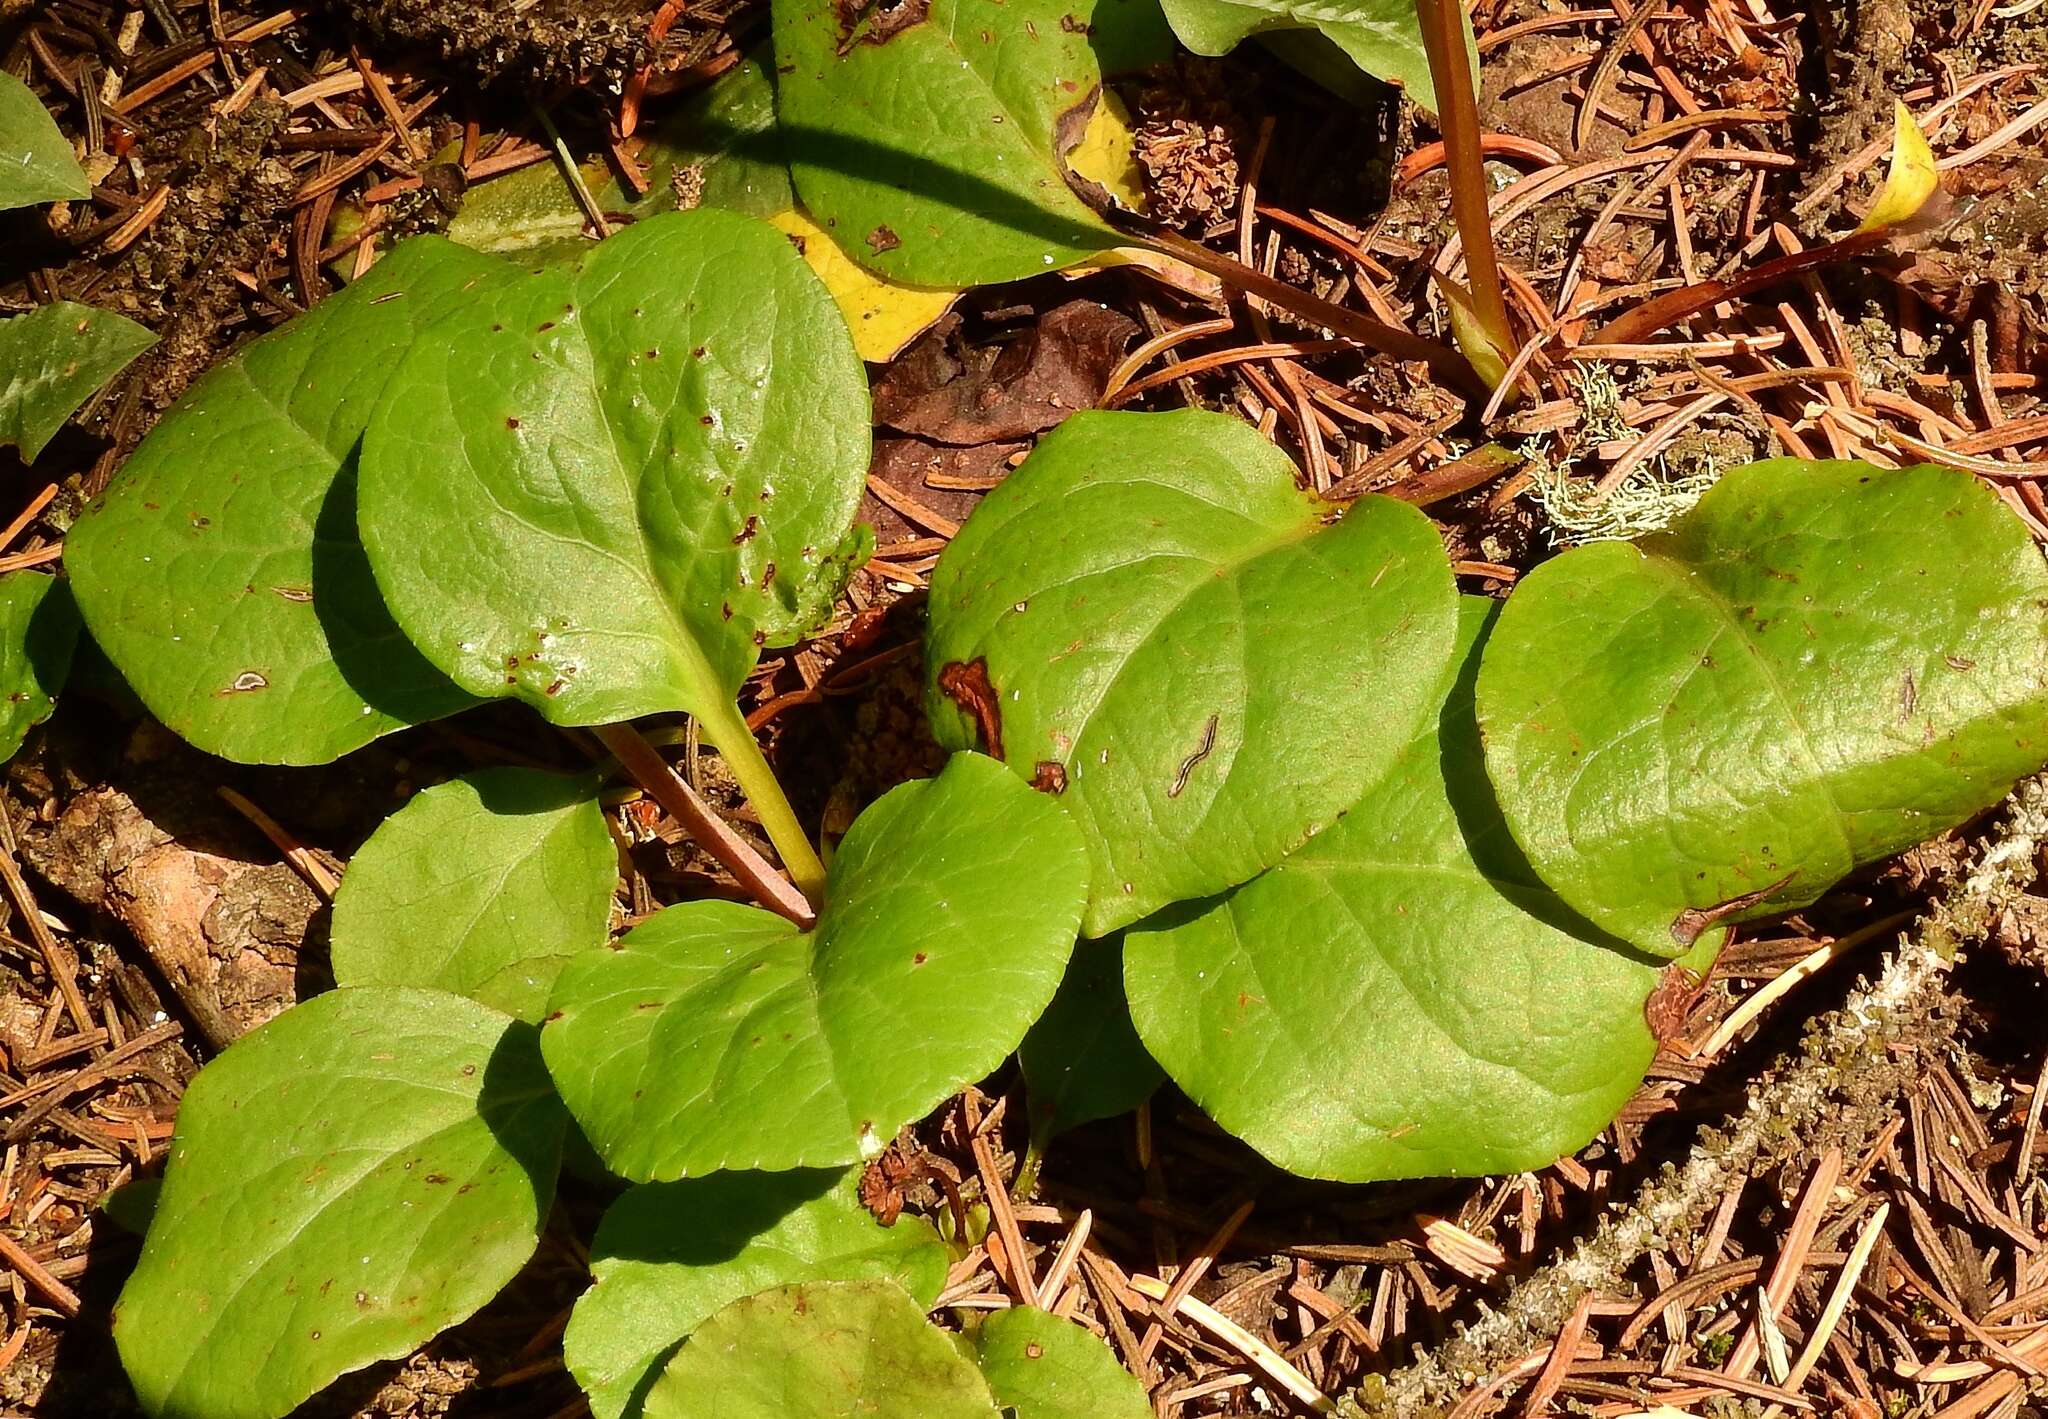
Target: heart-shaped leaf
[
  {"x": 222, "y": 573},
  {"x": 669, "y": 1255},
  {"x": 36, "y": 161},
  {"x": 38, "y": 633},
  {"x": 821, "y": 1350},
  {"x": 363, "y": 1171},
  {"x": 1819, "y": 665},
  {"x": 1481, "y": 1028},
  {"x": 927, "y": 136},
  {"x": 1381, "y": 37},
  {"x": 1150, "y": 620},
  {"x": 1083, "y": 1059},
  {"x": 600, "y": 493},
  {"x": 719, "y": 1036},
  {"x": 55, "y": 357},
  {"x": 1041, "y": 1367},
  {"x": 484, "y": 886}
]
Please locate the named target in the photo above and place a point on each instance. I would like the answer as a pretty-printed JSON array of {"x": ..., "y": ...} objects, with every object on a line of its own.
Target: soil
[{"x": 1905, "y": 1074}]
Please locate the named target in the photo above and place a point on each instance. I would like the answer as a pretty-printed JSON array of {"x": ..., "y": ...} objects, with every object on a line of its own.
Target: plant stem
[
  {"x": 673, "y": 792},
  {"x": 728, "y": 732},
  {"x": 1457, "y": 105}
]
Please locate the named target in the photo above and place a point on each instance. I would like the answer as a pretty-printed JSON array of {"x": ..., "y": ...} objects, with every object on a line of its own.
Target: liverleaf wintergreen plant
[
  {"x": 484, "y": 886},
  {"x": 600, "y": 487},
  {"x": 36, "y": 161},
  {"x": 366, "y": 1169},
  {"x": 1479, "y": 1026},
  {"x": 668, "y": 1256},
  {"x": 55, "y": 357},
  {"x": 1202, "y": 663},
  {"x": 38, "y": 633},
  {"x": 222, "y": 573},
  {"x": 1820, "y": 665},
  {"x": 720, "y": 1036}
]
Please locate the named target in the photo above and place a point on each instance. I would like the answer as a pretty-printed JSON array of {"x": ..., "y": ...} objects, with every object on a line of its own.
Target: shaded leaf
[
  {"x": 36, "y": 161},
  {"x": 669, "y": 1255},
  {"x": 1820, "y": 665},
  {"x": 1149, "y": 619},
  {"x": 719, "y": 1036},
  {"x": 821, "y": 1350},
  {"x": 54, "y": 358},
  {"x": 1041, "y": 1367},
  {"x": 1401, "y": 997},
  {"x": 222, "y": 573},
  {"x": 38, "y": 635},
  {"x": 365, "y": 1170},
  {"x": 600, "y": 495},
  {"x": 928, "y": 137},
  {"x": 1083, "y": 1059},
  {"x": 483, "y": 886}
]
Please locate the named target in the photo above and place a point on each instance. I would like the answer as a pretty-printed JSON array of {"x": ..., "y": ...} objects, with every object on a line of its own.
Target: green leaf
[
  {"x": 1041, "y": 1367},
  {"x": 36, "y": 161},
  {"x": 669, "y": 1255},
  {"x": 1083, "y": 1060},
  {"x": 365, "y": 1170},
  {"x": 721, "y": 148},
  {"x": 928, "y": 137},
  {"x": 484, "y": 886},
  {"x": 719, "y": 1036},
  {"x": 821, "y": 1350},
  {"x": 55, "y": 357},
  {"x": 1382, "y": 37},
  {"x": 1819, "y": 665},
  {"x": 222, "y": 573},
  {"x": 38, "y": 633},
  {"x": 1162, "y": 622},
  {"x": 531, "y": 211},
  {"x": 599, "y": 487},
  {"x": 1400, "y": 998},
  {"x": 132, "y": 1205}
]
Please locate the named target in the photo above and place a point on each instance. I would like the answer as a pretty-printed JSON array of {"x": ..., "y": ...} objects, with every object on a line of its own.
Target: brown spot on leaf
[
  {"x": 746, "y": 533},
  {"x": 1049, "y": 776},
  {"x": 1690, "y": 924},
  {"x": 1665, "y": 1011},
  {"x": 881, "y": 239},
  {"x": 967, "y": 685},
  {"x": 876, "y": 21}
]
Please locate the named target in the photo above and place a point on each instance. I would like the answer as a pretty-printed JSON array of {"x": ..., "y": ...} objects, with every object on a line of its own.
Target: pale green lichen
[{"x": 1653, "y": 495}]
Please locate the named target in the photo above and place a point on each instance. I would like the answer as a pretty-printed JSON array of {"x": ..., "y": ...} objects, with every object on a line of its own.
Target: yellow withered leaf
[
  {"x": 1107, "y": 153},
  {"x": 1912, "y": 179},
  {"x": 884, "y": 316}
]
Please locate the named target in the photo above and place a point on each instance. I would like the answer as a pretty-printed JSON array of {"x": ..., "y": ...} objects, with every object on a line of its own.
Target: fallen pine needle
[{"x": 1243, "y": 1341}]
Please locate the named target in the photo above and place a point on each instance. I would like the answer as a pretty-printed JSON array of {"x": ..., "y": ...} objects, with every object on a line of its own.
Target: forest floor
[{"x": 1827, "y": 1198}]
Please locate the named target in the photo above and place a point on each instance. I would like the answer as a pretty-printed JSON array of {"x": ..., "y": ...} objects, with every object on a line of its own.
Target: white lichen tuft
[{"x": 1649, "y": 499}]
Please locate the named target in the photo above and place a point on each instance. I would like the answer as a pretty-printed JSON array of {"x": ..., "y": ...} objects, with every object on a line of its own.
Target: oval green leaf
[
  {"x": 1083, "y": 1059},
  {"x": 365, "y": 1170},
  {"x": 1818, "y": 666},
  {"x": 928, "y": 137},
  {"x": 483, "y": 886},
  {"x": 1381, "y": 37},
  {"x": 38, "y": 634},
  {"x": 1400, "y": 998},
  {"x": 1151, "y": 620},
  {"x": 1041, "y": 1367},
  {"x": 36, "y": 161},
  {"x": 821, "y": 1350},
  {"x": 222, "y": 573},
  {"x": 719, "y": 1036},
  {"x": 599, "y": 487},
  {"x": 669, "y": 1255},
  {"x": 55, "y": 357}
]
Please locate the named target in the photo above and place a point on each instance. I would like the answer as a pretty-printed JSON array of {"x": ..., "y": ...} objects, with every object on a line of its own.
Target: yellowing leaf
[
  {"x": 1107, "y": 153},
  {"x": 1912, "y": 179},
  {"x": 883, "y": 315},
  {"x": 1488, "y": 358}
]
